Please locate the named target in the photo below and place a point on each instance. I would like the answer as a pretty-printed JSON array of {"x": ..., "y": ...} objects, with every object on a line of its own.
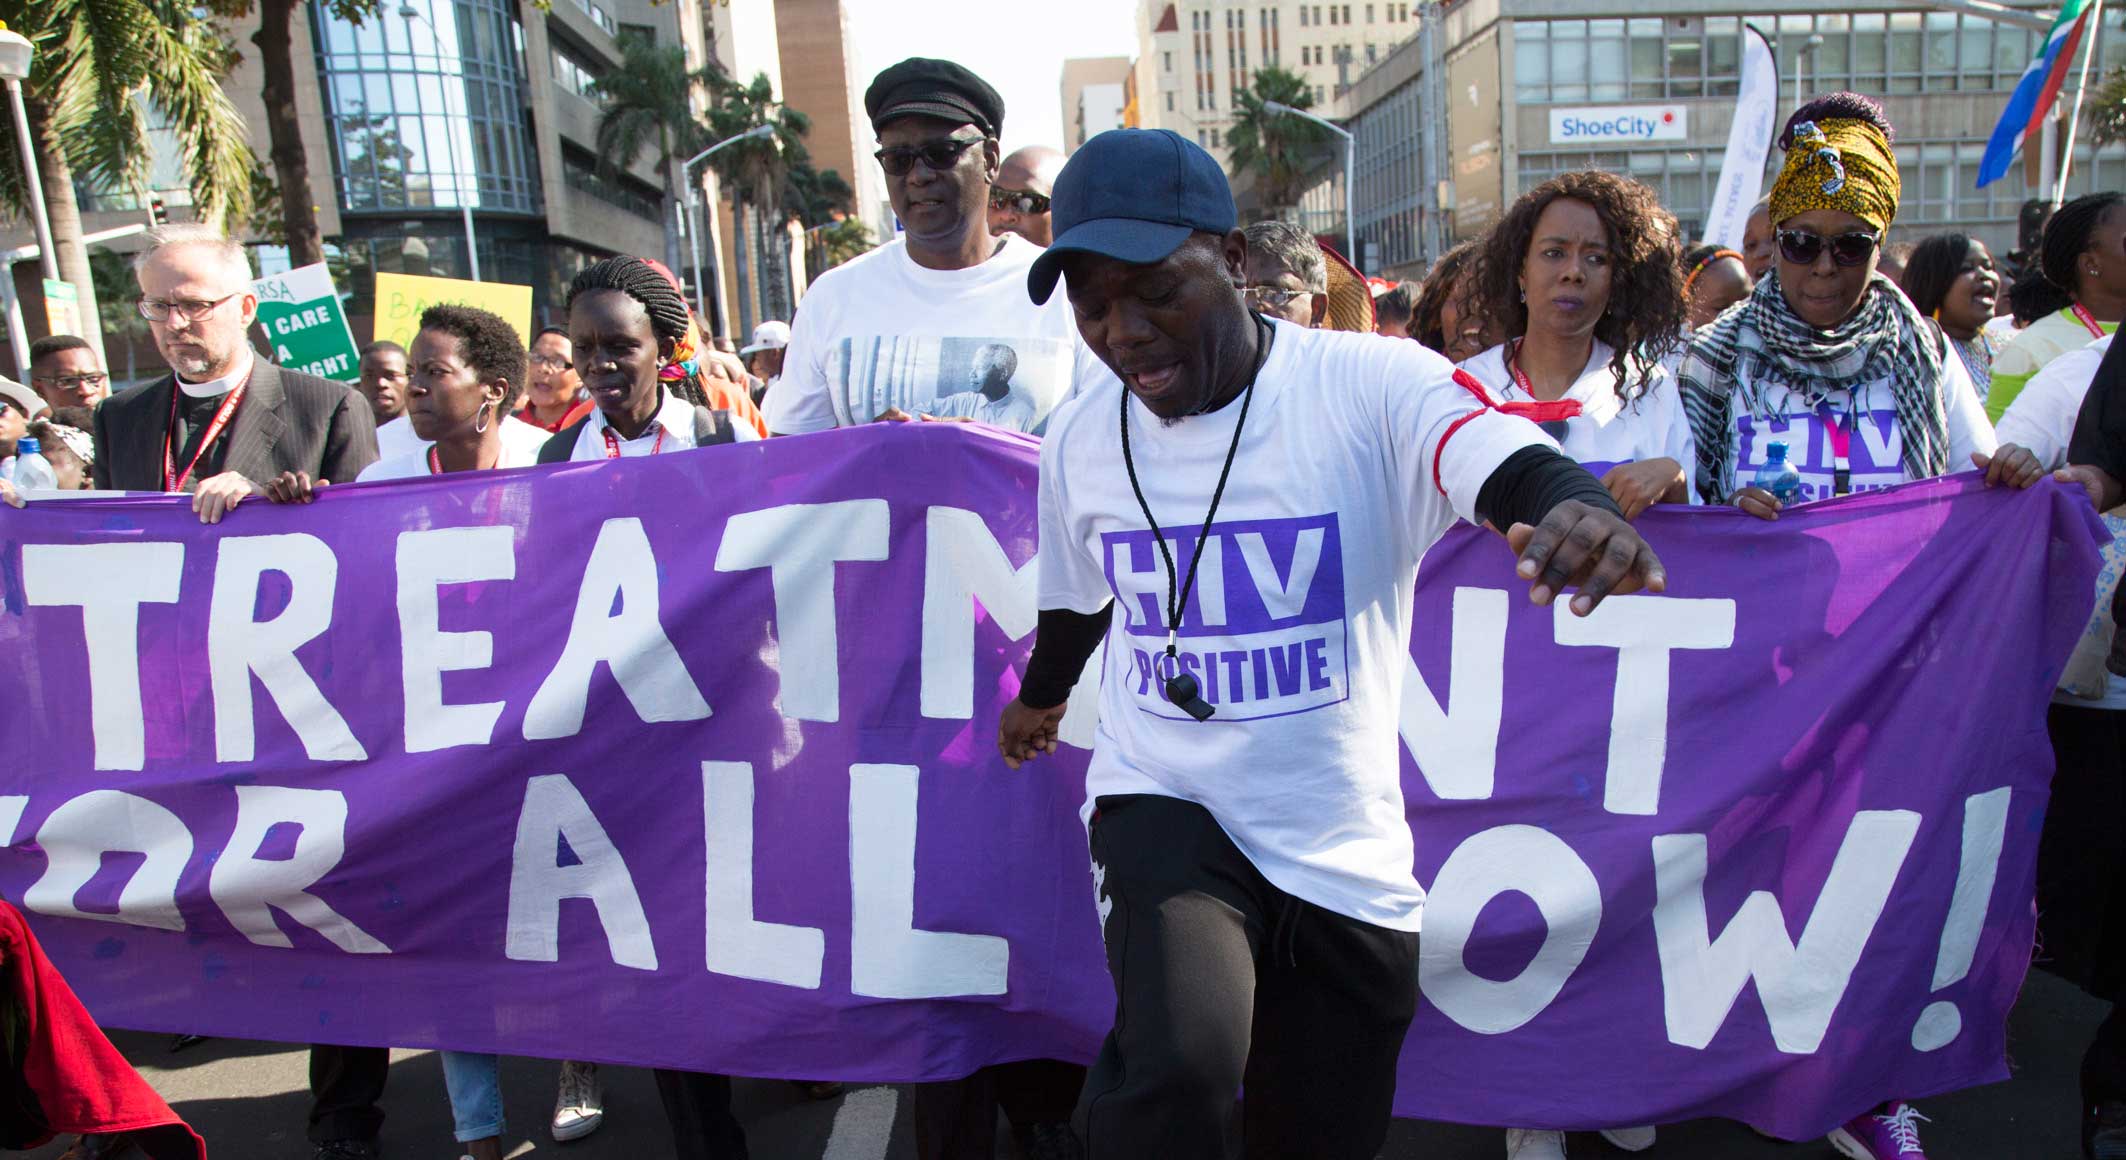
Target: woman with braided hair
[
  {"x": 628, "y": 325},
  {"x": 1714, "y": 278},
  {"x": 2073, "y": 293}
]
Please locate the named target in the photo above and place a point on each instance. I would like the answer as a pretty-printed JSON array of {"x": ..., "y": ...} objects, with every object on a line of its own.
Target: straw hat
[{"x": 1350, "y": 300}]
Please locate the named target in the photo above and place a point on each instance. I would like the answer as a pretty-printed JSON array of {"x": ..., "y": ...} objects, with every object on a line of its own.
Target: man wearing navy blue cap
[
  {"x": 908, "y": 329},
  {"x": 1256, "y": 497}
]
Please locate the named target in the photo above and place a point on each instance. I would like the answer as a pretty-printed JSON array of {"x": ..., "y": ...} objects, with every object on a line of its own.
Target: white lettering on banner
[
  {"x": 1643, "y": 629},
  {"x": 1523, "y": 859},
  {"x": 799, "y": 544},
  {"x": 962, "y": 563},
  {"x": 77, "y": 835},
  {"x": 11, "y": 809},
  {"x": 239, "y": 647},
  {"x": 109, "y": 583},
  {"x": 1457, "y": 748},
  {"x": 889, "y": 958},
  {"x": 554, "y": 812},
  {"x": 739, "y": 944},
  {"x": 1799, "y": 984},
  {"x": 427, "y": 559},
  {"x": 632, "y": 642},
  {"x": 249, "y": 887}
]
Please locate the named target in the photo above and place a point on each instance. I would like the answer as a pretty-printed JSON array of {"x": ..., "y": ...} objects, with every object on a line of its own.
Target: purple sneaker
[{"x": 1892, "y": 1135}]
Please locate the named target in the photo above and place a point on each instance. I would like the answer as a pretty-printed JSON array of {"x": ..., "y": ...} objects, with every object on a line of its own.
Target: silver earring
[{"x": 480, "y": 427}]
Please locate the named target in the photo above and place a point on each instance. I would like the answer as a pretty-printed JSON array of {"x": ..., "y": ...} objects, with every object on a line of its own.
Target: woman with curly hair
[
  {"x": 2075, "y": 292},
  {"x": 1826, "y": 355},
  {"x": 1584, "y": 276},
  {"x": 1444, "y": 318}
]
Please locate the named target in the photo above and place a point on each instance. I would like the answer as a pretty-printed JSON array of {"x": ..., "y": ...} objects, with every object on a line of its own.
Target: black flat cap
[{"x": 922, "y": 87}]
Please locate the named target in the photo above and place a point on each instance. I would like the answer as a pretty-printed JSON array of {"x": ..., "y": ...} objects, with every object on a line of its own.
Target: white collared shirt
[
  {"x": 214, "y": 388},
  {"x": 675, "y": 419},
  {"x": 395, "y": 437},
  {"x": 1608, "y": 432}
]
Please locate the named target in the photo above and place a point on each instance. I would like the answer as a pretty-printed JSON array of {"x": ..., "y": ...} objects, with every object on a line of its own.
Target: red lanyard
[
  {"x": 173, "y": 479},
  {"x": 612, "y": 442},
  {"x": 2096, "y": 329},
  {"x": 435, "y": 462},
  {"x": 1533, "y": 409}
]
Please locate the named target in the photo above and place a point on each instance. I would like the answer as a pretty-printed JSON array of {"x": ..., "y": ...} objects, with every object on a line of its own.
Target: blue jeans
[{"x": 475, "y": 1085}]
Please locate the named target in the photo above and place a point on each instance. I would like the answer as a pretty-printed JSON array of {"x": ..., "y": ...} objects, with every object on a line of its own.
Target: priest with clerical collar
[{"x": 225, "y": 421}]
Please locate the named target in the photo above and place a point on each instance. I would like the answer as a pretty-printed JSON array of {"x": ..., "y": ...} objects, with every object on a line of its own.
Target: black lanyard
[{"x": 1181, "y": 688}]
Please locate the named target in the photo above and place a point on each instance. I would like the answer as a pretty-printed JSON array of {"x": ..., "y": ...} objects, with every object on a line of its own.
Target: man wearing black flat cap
[
  {"x": 1247, "y": 830},
  {"x": 902, "y": 330}
]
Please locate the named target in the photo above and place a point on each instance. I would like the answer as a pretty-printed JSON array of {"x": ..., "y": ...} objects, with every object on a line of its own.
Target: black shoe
[
  {"x": 118, "y": 1146},
  {"x": 1050, "y": 1142},
  {"x": 2104, "y": 1131},
  {"x": 347, "y": 1150},
  {"x": 180, "y": 1042}
]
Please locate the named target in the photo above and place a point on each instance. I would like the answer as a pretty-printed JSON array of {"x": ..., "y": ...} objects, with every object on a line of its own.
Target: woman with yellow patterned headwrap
[
  {"x": 1827, "y": 355},
  {"x": 1830, "y": 358}
]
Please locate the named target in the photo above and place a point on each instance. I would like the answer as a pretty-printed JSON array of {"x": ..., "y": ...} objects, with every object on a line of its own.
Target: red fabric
[
  {"x": 81, "y": 1081},
  {"x": 576, "y": 410},
  {"x": 1540, "y": 412},
  {"x": 1469, "y": 383}
]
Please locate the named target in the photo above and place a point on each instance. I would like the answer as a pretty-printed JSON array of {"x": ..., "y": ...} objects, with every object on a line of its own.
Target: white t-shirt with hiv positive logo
[
  {"x": 1358, "y": 453},
  {"x": 1864, "y": 421}
]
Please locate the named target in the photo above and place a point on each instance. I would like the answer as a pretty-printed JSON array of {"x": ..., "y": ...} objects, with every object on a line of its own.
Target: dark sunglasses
[
  {"x": 1018, "y": 201},
  {"x": 937, "y": 155},
  {"x": 1803, "y": 248}
]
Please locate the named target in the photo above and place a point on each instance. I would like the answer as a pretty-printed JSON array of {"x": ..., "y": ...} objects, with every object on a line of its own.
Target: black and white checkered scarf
[{"x": 1760, "y": 344}]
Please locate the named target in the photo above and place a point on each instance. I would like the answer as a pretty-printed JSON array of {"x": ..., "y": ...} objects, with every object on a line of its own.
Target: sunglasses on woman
[
  {"x": 1018, "y": 201},
  {"x": 1802, "y": 247},
  {"x": 939, "y": 155}
]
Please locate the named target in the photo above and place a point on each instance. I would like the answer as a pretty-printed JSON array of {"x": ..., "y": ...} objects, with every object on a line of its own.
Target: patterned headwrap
[
  {"x": 684, "y": 352},
  {"x": 1838, "y": 163}
]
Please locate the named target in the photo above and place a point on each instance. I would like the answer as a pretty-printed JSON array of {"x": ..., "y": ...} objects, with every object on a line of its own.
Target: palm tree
[
  {"x": 99, "y": 67},
  {"x": 647, "y": 105},
  {"x": 1275, "y": 146},
  {"x": 2107, "y": 120},
  {"x": 758, "y": 174}
]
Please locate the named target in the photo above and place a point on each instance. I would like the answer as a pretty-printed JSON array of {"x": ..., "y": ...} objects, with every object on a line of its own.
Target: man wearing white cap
[{"x": 764, "y": 356}]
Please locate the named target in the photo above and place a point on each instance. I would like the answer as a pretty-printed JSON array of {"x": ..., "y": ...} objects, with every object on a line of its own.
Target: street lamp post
[
  {"x": 1350, "y": 172},
  {"x": 409, "y": 14},
  {"x": 15, "y": 51},
  {"x": 686, "y": 171}
]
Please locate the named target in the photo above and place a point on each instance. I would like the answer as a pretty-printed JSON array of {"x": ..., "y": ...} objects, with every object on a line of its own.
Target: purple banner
[{"x": 689, "y": 761}]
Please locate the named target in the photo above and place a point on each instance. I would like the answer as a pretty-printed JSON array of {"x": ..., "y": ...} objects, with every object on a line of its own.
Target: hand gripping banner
[{"x": 689, "y": 761}]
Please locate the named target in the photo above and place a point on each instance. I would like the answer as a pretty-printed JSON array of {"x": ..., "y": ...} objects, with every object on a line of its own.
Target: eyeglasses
[
  {"x": 85, "y": 382},
  {"x": 1802, "y": 247},
  {"x": 182, "y": 309},
  {"x": 1270, "y": 297},
  {"x": 939, "y": 156},
  {"x": 547, "y": 362},
  {"x": 1018, "y": 201}
]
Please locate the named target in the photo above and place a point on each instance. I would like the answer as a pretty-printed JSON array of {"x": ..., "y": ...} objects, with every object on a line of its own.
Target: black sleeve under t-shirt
[{"x": 2100, "y": 430}]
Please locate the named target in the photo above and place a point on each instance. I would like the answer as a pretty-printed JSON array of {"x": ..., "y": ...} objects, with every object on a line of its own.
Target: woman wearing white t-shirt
[
  {"x": 466, "y": 372},
  {"x": 1826, "y": 355},
  {"x": 1584, "y": 275}
]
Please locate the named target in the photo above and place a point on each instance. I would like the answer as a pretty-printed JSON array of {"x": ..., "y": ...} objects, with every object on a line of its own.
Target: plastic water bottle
[
  {"x": 33, "y": 472},
  {"x": 1777, "y": 475}
]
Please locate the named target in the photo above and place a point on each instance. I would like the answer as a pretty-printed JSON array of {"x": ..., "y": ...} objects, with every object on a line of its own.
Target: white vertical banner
[{"x": 1742, "y": 170}]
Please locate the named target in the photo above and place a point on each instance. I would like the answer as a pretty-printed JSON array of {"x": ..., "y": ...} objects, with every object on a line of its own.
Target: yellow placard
[{"x": 400, "y": 298}]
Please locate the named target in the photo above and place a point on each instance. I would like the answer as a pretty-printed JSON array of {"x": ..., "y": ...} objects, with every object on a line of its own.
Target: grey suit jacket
[{"x": 288, "y": 421}]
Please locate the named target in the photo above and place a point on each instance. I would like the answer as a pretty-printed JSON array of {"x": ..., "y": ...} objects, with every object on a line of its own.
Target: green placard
[{"x": 300, "y": 311}]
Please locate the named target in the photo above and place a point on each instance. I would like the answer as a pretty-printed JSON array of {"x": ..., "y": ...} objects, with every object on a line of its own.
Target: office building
[
  {"x": 1095, "y": 92},
  {"x": 1527, "y": 81}
]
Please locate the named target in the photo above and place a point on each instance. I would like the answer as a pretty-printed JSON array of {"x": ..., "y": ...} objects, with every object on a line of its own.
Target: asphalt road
[{"x": 248, "y": 1099}]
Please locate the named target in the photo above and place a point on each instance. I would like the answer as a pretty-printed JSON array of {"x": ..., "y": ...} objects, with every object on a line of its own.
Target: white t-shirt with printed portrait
[
  {"x": 1867, "y": 419},
  {"x": 880, "y": 332},
  {"x": 1607, "y": 432},
  {"x": 1358, "y": 452}
]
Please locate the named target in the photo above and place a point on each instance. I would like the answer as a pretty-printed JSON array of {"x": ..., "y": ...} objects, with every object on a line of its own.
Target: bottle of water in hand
[
  {"x": 33, "y": 472},
  {"x": 1777, "y": 475}
]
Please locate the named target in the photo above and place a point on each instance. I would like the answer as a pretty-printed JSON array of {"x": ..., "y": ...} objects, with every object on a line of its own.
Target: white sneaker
[
  {"x": 1630, "y": 1139},
  {"x": 1534, "y": 1144},
  {"x": 580, "y": 1106}
]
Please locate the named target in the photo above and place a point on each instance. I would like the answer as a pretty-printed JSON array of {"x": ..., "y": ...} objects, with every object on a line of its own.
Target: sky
[{"x": 1016, "y": 45}]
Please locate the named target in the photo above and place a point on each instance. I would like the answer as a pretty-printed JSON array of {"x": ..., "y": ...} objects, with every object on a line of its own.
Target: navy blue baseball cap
[{"x": 1134, "y": 195}]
